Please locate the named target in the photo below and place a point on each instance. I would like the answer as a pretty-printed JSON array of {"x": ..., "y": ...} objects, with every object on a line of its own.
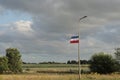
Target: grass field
[
  {"x": 59, "y": 77},
  {"x": 49, "y": 65},
  {"x": 52, "y": 72},
  {"x": 53, "y": 68}
]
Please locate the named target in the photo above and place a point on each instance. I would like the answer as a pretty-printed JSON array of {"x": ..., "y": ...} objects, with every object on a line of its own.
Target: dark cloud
[
  {"x": 53, "y": 22},
  {"x": 109, "y": 34}
]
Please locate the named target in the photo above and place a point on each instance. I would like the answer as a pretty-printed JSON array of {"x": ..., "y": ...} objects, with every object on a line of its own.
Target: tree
[
  {"x": 117, "y": 54},
  {"x": 3, "y": 64},
  {"x": 103, "y": 63},
  {"x": 69, "y": 62},
  {"x": 84, "y": 61},
  {"x": 14, "y": 60},
  {"x": 72, "y": 62}
]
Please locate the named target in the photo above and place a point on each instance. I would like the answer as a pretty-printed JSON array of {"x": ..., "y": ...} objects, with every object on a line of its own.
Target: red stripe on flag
[{"x": 74, "y": 41}]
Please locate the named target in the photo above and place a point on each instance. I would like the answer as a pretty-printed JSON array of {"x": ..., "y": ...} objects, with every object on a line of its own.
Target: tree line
[
  {"x": 76, "y": 62},
  {"x": 100, "y": 62}
]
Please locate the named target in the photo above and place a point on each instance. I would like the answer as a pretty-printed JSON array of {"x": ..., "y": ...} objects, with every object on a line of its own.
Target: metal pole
[{"x": 79, "y": 65}]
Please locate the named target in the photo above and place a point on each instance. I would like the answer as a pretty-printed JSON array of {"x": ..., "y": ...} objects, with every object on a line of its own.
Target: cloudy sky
[{"x": 41, "y": 29}]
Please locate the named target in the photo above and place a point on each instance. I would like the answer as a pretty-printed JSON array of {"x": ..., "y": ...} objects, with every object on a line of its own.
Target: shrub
[
  {"x": 103, "y": 63},
  {"x": 14, "y": 60},
  {"x": 3, "y": 64}
]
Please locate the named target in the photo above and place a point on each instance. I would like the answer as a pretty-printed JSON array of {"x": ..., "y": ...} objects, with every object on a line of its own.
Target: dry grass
[
  {"x": 37, "y": 77},
  {"x": 59, "y": 77}
]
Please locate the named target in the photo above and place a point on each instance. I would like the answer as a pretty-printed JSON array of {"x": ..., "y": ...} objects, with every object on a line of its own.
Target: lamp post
[{"x": 79, "y": 65}]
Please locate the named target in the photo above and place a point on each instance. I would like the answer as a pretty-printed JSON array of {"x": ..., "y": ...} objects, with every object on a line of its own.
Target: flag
[{"x": 74, "y": 39}]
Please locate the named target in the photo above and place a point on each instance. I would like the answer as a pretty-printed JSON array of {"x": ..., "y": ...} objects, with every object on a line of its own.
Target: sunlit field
[{"x": 59, "y": 77}]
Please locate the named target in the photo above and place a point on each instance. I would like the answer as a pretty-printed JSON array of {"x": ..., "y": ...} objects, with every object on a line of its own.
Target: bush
[
  {"x": 3, "y": 64},
  {"x": 14, "y": 60},
  {"x": 103, "y": 63}
]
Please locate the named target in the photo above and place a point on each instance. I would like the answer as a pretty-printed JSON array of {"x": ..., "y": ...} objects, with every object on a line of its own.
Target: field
[
  {"x": 59, "y": 77},
  {"x": 53, "y": 68},
  {"x": 56, "y": 72}
]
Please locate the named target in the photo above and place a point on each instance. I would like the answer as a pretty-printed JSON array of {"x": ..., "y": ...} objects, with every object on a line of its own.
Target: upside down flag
[{"x": 74, "y": 39}]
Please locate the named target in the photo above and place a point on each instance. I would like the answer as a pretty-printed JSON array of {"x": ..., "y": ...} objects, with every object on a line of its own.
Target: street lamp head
[
  {"x": 82, "y": 18},
  {"x": 85, "y": 16}
]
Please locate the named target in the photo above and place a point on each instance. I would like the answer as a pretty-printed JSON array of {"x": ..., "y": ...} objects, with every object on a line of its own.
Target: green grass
[
  {"x": 52, "y": 65},
  {"x": 53, "y": 68}
]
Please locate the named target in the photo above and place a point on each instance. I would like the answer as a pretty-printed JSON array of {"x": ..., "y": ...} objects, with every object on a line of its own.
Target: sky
[{"x": 41, "y": 29}]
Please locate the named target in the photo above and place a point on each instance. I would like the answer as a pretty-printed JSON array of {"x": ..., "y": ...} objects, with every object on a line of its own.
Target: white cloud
[{"x": 23, "y": 26}]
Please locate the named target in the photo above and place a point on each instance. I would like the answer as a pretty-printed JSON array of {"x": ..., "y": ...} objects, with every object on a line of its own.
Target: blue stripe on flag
[{"x": 73, "y": 37}]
